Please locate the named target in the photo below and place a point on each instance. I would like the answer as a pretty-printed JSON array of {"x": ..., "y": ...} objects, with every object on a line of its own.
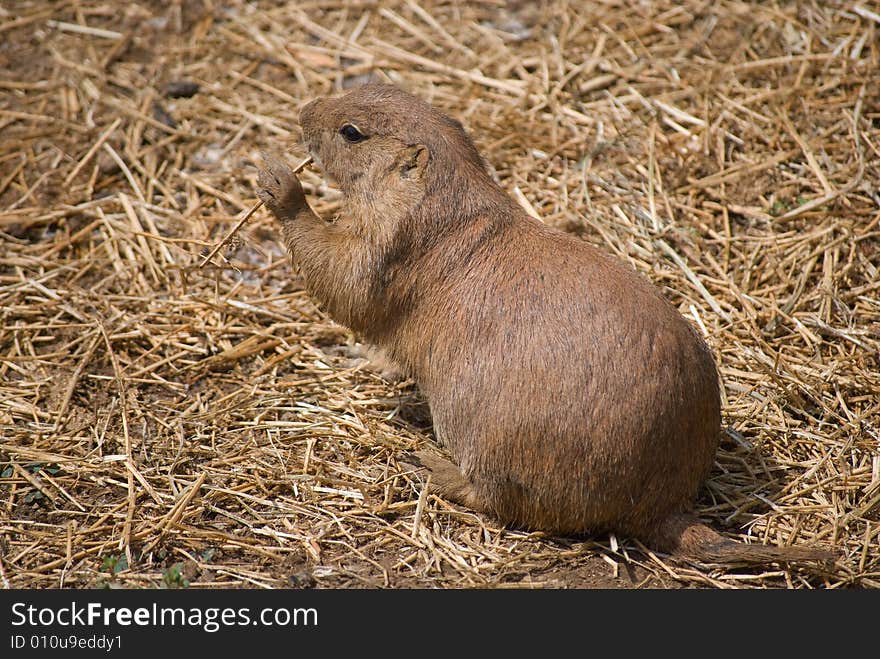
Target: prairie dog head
[{"x": 378, "y": 140}]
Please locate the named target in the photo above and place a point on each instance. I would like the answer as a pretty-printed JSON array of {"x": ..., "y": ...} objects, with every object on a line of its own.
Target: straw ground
[{"x": 165, "y": 425}]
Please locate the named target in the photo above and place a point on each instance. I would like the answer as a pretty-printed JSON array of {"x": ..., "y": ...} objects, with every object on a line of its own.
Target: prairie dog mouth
[
  {"x": 328, "y": 181},
  {"x": 315, "y": 161}
]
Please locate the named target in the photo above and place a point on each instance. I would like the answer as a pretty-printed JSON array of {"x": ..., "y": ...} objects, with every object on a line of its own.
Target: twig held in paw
[{"x": 247, "y": 216}]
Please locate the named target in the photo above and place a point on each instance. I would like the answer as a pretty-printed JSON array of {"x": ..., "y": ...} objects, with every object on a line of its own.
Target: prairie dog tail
[{"x": 686, "y": 536}]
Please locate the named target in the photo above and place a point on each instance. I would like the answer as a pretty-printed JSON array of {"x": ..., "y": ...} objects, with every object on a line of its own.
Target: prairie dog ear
[{"x": 414, "y": 161}]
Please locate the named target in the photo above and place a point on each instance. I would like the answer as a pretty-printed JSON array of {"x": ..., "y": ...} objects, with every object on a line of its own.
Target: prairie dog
[{"x": 571, "y": 395}]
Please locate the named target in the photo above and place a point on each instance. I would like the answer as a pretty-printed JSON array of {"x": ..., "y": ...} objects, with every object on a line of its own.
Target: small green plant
[
  {"x": 778, "y": 207},
  {"x": 115, "y": 564},
  {"x": 36, "y": 467},
  {"x": 34, "y": 496},
  {"x": 173, "y": 577}
]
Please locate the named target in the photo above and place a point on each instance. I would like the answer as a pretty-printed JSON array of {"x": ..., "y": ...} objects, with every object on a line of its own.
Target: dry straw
[
  {"x": 153, "y": 413},
  {"x": 238, "y": 225}
]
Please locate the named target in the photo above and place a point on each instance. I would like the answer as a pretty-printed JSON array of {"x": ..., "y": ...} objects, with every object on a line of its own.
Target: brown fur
[{"x": 570, "y": 394}]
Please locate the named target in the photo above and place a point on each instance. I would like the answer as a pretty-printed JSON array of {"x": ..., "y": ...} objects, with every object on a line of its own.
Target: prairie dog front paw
[{"x": 279, "y": 188}]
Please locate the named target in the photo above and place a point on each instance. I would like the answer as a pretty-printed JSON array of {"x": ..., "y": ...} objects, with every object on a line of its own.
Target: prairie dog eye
[{"x": 351, "y": 133}]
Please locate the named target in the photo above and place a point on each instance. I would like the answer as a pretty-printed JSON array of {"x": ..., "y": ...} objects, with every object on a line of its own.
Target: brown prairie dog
[{"x": 570, "y": 394}]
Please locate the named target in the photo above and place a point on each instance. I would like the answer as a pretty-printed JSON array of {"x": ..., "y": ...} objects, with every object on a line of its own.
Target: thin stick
[
  {"x": 91, "y": 152},
  {"x": 420, "y": 509},
  {"x": 84, "y": 29},
  {"x": 247, "y": 216}
]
